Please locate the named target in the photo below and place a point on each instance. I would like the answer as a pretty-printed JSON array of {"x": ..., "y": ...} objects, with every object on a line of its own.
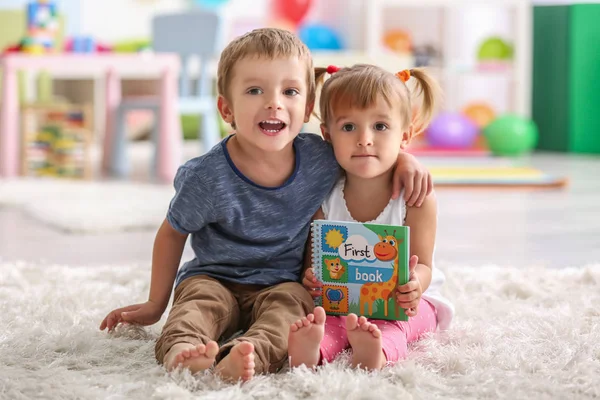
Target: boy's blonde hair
[
  {"x": 360, "y": 86},
  {"x": 268, "y": 43}
]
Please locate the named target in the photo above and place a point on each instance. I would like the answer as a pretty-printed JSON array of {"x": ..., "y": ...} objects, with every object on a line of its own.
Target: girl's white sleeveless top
[{"x": 334, "y": 208}]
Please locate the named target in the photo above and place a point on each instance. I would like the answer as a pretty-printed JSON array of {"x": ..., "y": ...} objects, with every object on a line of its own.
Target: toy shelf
[
  {"x": 452, "y": 68},
  {"x": 56, "y": 141}
]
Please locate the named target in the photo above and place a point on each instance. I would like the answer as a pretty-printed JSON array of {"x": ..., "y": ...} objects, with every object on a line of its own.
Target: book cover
[{"x": 360, "y": 265}]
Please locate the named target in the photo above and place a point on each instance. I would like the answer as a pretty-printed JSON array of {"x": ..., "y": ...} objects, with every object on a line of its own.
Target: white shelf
[
  {"x": 390, "y": 61},
  {"x": 521, "y": 67},
  {"x": 446, "y": 3}
]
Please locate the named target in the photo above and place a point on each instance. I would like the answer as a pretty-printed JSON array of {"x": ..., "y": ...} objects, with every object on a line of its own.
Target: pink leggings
[{"x": 395, "y": 335}]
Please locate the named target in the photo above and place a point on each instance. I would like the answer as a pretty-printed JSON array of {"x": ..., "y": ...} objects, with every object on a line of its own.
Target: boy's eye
[
  {"x": 254, "y": 91},
  {"x": 380, "y": 126},
  {"x": 291, "y": 92},
  {"x": 348, "y": 127}
]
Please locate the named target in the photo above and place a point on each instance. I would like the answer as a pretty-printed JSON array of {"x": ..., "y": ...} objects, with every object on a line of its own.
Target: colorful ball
[
  {"x": 480, "y": 114},
  {"x": 398, "y": 41},
  {"x": 291, "y": 10},
  {"x": 452, "y": 130},
  {"x": 319, "y": 37},
  {"x": 511, "y": 135}
]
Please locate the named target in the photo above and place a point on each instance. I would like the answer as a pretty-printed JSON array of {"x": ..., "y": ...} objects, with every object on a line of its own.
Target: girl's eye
[
  {"x": 348, "y": 127},
  {"x": 380, "y": 126},
  {"x": 291, "y": 92},
  {"x": 254, "y": 91}
]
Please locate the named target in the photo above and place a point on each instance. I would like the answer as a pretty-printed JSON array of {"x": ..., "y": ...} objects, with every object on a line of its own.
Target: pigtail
[
  {"x": 429, "y": 91},
  {"x": 319, "y": 82}
]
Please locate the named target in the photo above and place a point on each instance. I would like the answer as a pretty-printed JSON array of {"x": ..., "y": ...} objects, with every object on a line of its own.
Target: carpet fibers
[
  {"x": 519, "y": 333},
  {"x": 89, "y": 206}
]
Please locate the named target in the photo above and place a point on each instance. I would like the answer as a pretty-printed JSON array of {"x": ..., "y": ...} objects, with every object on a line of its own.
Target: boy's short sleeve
[{"x": 191, "y": 208}]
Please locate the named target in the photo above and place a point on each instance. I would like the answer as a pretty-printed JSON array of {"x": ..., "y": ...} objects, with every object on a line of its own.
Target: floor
[{"x": 555, "y": 228}]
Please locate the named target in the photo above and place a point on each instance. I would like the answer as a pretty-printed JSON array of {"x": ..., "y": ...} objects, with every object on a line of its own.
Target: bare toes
[{"x": 212, "y": 348}]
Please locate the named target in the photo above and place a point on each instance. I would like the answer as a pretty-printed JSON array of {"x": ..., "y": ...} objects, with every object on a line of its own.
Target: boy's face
[
  {"x": 267, "y": 100},
  {"x": 367, "y": 142}
]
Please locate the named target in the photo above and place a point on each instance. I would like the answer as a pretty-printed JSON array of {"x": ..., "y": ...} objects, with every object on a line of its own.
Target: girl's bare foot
[
  {"x": 304, "y": 342},
  {"x": 238, "y": 364},
  {"x": 193, "y": 357},
  {"x": 365, "y": 340}
]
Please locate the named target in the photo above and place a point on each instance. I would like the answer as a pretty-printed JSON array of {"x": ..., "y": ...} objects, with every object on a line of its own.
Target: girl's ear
[
  {"x": 325, "y": 133},
  {"x": 406, "y": 137}
]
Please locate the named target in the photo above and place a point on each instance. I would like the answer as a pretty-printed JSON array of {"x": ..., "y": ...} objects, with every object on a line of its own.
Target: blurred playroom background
[{"x": 112, "y": 96}]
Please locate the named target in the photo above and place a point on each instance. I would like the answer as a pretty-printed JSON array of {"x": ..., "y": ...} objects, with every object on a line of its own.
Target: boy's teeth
[{"x": 272, "y": 125}]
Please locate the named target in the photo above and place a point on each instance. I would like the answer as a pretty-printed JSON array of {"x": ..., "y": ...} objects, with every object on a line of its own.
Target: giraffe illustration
[{"x": 385, "y": 250}]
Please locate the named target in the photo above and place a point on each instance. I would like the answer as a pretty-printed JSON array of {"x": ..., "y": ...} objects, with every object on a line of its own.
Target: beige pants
[{"x": 206, "y": 309}]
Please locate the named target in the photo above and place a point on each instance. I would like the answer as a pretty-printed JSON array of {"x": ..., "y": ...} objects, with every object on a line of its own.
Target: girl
[{"x": 366, "y": 114}]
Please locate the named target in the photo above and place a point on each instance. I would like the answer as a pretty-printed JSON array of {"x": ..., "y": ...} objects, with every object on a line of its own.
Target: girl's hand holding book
[{"x": 408, "y": 296}]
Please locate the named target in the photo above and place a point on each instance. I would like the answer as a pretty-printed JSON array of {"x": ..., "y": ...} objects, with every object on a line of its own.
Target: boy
[{"x": 248, "y": 204}]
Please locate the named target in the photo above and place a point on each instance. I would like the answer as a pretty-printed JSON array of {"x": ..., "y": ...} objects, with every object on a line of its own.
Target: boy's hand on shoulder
[
  {"x": 147, "y": 313},
  {"x": 411, "y": 175},
  {"x": 310, "y": 282}
]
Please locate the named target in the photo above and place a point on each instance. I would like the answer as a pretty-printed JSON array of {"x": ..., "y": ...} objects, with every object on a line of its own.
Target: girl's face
[{"x": 367, "y": 142}]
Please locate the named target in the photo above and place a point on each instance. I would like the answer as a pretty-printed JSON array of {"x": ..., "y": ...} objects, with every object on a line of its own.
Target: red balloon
[{"x": 292, "y": 10}]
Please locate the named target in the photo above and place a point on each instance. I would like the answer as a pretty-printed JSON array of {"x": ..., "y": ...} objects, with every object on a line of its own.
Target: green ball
[
  {"x": 495, "y": 48},
  {"x": 511, "y": 135}
]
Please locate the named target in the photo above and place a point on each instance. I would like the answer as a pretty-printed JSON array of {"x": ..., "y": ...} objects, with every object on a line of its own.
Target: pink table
[{"x": 112, "y": 66}]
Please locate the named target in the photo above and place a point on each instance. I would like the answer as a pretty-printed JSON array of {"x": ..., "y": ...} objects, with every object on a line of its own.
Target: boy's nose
[{"x": 274, "y": 103}]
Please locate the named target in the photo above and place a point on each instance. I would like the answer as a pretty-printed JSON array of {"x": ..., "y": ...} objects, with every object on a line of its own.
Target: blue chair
[{"x": 195, "y": 34}]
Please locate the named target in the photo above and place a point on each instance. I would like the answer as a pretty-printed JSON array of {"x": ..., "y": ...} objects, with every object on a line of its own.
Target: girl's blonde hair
[{"x": 360, "y": 86}]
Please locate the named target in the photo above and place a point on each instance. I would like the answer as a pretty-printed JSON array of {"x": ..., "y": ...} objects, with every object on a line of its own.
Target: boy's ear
[
  {"x": 406, "y": 137},
  {"x": 225, "y": 109},
  {"x": 309, "y": 109},
  {"x": 325, "y": 133}
]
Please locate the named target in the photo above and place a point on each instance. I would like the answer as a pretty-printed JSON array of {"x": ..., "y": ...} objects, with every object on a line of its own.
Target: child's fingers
[
  {"x": 408, "y": 287},
  {"x": 406, "y": 297},
  {"x": 408, "y": 304}
]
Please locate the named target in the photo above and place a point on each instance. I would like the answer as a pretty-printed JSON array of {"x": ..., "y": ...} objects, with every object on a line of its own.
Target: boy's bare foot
[
  {"x": 193, "y": 357},
  {"x": 365, "y": 340},
  {"x": 238, "y": 364},
  {"x": 304, "y": 342}
]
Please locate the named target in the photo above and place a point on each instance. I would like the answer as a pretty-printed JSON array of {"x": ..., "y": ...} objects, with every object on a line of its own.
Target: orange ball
[
  {"x": 480, "y": 113},
  {"x": 398, "y": 40}
]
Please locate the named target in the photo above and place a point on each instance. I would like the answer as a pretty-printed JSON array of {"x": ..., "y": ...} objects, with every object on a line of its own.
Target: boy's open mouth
[{"x": 272, "y": 125}]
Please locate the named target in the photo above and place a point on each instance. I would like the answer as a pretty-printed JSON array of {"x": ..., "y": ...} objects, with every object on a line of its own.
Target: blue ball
[
  {"x": 210, "y": 3},
  {"x": 319, "y": 37}
]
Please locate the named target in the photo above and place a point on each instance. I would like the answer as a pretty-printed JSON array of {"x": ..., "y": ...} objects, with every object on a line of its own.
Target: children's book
[{"x": 360, "y": 265}]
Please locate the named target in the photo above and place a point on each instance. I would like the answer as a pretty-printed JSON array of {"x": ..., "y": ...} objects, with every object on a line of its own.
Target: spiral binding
[{"x": 316, "y": 262}]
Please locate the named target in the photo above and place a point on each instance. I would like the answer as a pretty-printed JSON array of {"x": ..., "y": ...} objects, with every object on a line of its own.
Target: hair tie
[
  {"x": 404, "y": 75},
  {"x": 332, "y": 69}
]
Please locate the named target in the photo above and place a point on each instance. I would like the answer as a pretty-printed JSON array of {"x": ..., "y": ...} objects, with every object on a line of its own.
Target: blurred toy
[
  {"x": 320, "y": 37},
  {"x": 451, "y": 131},
  {"x": 511, "y": 135},
  {"x": 494, "y": 52},
  {"x": 85, "y": 44},
  {"x": 480, "y": 114},
  {"x": 210, "y": 3},
  {"x": 42, "y": 26},
  {"x": 291, "y": 10},
  {"x": 57, "y": 141},
  {"x": 398, "y": 40},
  {"x": 424, "y": 55}
]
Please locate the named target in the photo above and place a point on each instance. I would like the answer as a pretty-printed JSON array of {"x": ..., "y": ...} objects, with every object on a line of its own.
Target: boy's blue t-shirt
[{"x": 245, "y": 233}]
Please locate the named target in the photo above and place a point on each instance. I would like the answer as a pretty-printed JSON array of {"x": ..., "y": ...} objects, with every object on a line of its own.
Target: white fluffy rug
[
  {"x": 89, "y": 206},
  {"x": 519, "y": 333}
]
